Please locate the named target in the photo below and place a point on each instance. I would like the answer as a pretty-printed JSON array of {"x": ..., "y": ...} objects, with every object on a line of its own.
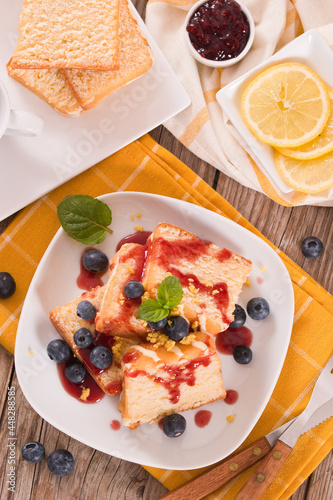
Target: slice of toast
[
  {"x": 63, "y": 34},
  {"x": 118, "y": 314},
  {"x": 211, "y": 277},
  {"x": 158, "y": 382},
  {"x": 50, "y": 85},
  {"x": 135, "y": 59},
  {"x": 66, "y": 322}
]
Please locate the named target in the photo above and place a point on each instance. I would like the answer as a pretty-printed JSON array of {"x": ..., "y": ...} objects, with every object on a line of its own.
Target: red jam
[
  {"x": 139, "y": 237},
  {"x": 227, "y": 341},
  {"x": 202, "y": 418},
  {"x": 76, "y": 390},
  {"x": 231, "y": 397},
  {"x": 219, "y": 30},
  {"x": 86, "y": 279},
  {"x": 115, "y": 425}
]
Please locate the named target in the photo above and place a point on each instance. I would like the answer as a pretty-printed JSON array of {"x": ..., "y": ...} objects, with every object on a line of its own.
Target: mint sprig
[
  {"x": 169, "y": 293},
  {"x": 85, "y": 218}
]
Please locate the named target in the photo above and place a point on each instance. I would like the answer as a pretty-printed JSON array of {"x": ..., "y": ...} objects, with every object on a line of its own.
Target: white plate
[
  {"x": 55, "y": 284},
  {"x": 309, "y": 49},
  {"x": 33, "y": 166}
]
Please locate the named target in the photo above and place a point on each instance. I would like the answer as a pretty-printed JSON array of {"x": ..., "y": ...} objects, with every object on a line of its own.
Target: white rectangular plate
[
  {"x": 33, "y": 166},
  {"x": 310, "y": 49},
  {"x": 55, "y": 284}
]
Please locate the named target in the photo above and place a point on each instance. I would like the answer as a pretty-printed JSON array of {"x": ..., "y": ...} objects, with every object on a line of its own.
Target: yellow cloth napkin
[
  {"x": 203, "y": 127},
  {"x": 146, "y": 166}
]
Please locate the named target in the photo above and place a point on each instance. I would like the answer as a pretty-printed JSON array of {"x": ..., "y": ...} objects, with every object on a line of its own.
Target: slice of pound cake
[
  {"x": 158, "y": 382},
  {"x": 67, "y": 322},
  {"x": 118, "y": 313},
  {"x": 211, "y": 277}
]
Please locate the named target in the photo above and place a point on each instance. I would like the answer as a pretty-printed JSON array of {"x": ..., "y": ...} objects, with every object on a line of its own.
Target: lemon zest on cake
[
  {"x": 214, "y": 292},
  {"x": 145, "y": 296},
  {"x": 116, "y": 348},
  {"x": 193, "y": 289},
  {"x": 208, "y": 283},
  {"x": 191, "y": 280},
  {"x": 121, "y": 299}
]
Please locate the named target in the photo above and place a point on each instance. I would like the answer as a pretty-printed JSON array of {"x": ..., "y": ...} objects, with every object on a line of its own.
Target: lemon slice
[
  {"x": 286, "y": 106},
  {"x": 319, "y": 146},
  {"x": 306, "y": 176}
]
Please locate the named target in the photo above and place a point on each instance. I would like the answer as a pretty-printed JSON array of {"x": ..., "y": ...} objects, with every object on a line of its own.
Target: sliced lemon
[
  {"x": 286, "y": 106},
  {"x": 306, "y": 176},
  {"x": 319, "y": 146}
]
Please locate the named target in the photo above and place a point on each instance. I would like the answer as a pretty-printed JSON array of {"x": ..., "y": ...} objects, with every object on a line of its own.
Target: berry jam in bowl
[{"x": 219, "y": 33}]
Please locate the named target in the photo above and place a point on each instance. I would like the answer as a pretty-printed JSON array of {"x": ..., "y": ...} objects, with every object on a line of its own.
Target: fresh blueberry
[
  {"x": 176, "y": 328},
  {"x": 75, "y": 372},
  {"x": 95, "y": 261},
  {"x": 86, "y": 310},
  {"x": 312, "y": 247},
  {"x": 242, "y": 354},
  {"x": 174, "y": 425},
  {"x": 83, "y": 338},
  {"x": 101, "y": 357},
  {"x": 7, "y": 285},
  {"x": 258, "y": 308},
  {"x": 58, "y": 350},
  {"x": 60, "y": 462},
  {"x": 33, "y": 451},
  {"x": 134, "y": 289},
  {"x": 158, "y": 325},
  {"x": 239, "y": 317}
]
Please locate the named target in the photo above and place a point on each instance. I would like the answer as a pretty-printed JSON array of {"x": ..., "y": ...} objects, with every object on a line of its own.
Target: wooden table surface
[{"x": 101, "y": 476}]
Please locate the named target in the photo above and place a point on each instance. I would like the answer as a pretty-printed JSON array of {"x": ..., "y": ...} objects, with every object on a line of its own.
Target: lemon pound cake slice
[
  {"x": 118, "y": 313},
  {"x": 135, "y": 59},
  {"x": 158, "y": 381},
  {"x": 63, "y": 34},
  {"x": 211, "y": 277},
  {"x": 67, "y": 323}
]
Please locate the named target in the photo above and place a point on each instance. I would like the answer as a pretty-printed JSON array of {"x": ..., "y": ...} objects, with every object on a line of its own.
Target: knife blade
[
  {"x": 317, "y": 410},
  {"x": 209, "y": 481}
]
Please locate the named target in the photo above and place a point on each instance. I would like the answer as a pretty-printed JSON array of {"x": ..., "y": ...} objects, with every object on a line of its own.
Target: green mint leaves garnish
[
  {"x": 85, "y": 218},
  {"x": 169, "y": 293}
]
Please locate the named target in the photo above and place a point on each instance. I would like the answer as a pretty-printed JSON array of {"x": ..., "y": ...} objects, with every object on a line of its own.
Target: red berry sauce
[
  {"x": 202, "y": 418},
  {"x": 227, "y": 341},
  {"x": 86, "y": 279},
  {"x": 231, "y": 397},
  {"x": 115, "y": 425},
  {"x": 219, "y": 30},
  {"x": 139, "y": 237}
]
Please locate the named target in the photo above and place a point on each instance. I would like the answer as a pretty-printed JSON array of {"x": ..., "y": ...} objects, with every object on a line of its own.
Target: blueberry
[
  {"x": 312, "y": 247},
  {"x": 176, "y": 328},
  {"x": 242, "y": 354},
  {"x": 60, "y": 462},
  {"x": 101, "y": 357},
  {"x": 258, "y": 308},
  {"x": 58, "y": 350},
  {"x": 83, "y": 338},
  {"x": 158, "y": 325},
  {"x": 86, "y": 310},
  {"x": 75, "y": 372},
  {"x": 174, "y": 425},
  {"x": 134, "y": 289},
  {"x": 7, "y": 285},
  {"x": 239, "y": 317},
  {"x": 33, "y": 451},
  {"x": 95, "y": 261}
]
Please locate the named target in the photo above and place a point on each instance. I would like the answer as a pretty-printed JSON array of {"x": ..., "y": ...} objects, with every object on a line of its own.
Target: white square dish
[{"x": 310, "y": 49}]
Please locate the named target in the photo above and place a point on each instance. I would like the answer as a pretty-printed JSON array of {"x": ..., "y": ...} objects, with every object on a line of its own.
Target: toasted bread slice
[
  {"x": 211, "y": 277},
  {"x": 186, "y": 377},
  {"x": 63, "y": 34},
  {"x": 135, "y": 59},
  {"x": 67, "y": 322},
  {"x": 50, "y": 85},
  {"x": 118, "y": 314}
]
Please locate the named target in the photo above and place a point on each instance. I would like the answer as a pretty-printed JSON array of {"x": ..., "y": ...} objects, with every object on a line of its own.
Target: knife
[{"x": 209, "y": 481}]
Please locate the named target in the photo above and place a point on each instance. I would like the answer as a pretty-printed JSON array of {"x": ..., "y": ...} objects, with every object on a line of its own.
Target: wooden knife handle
[
  {"x": 261, "y": 479},
  {"x": 208, "y": 482}
]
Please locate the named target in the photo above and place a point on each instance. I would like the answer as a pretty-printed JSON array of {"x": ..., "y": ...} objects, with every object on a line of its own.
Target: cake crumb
[
  {"x": 121, "y": 299},
  {"x": 188, "y": 339},
  {"x": 138, "y": 228},
  {"x": 132, "y": 217},
  {"x": 191, "y": 280},
  {"x": 230, "y": 418},
  {"x": 130, "y": 270},
  {"x": 145, "y": 296},
  {"x": 193, "y": 289},
  {"x": 138, "y": 215},
  {"x": 214, "y": 292},
  {"x": 85, "y": 393},
  {"x": 208, "y": 283},
  {"x": 195, "y": 325},
  {"x": 263, "y": 269},
  {"x": 159, "y": 339},
  {"x": 116, "y": 348},
  {"x": 248, "y": 282},
  {"x": 31, "y": 351}
]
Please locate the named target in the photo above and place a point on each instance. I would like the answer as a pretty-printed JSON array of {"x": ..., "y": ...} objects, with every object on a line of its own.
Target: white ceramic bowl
[{"x": 227, "y": 62}]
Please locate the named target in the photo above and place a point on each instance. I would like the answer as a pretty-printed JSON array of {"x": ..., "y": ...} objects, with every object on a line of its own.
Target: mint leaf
[
  {"x": 152, "y": 310},
  {"x": 170, "y": 291},
  {"x": 85, "y": 218}
]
